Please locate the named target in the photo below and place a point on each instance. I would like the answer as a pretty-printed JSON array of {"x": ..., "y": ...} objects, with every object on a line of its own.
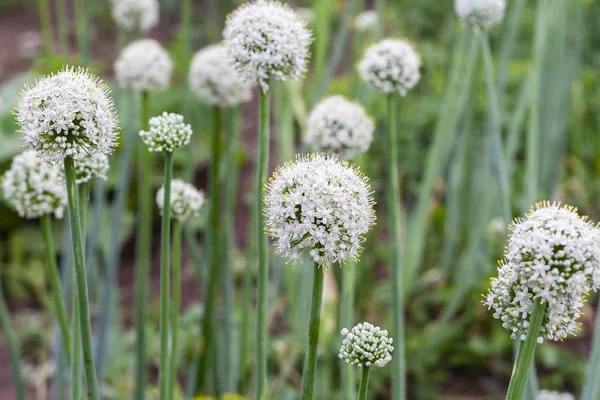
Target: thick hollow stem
[
  {"x": 348, "y": 379},
  {"x": 175, "y": 304},
  {"x": 13, "y": 348},
  {"x": 57, "y": 293},
  {"x": 46, "y": 25},
  {"x": 523, "y": 361},
  {"x": 165, "y": 258},
  {"x": 310, "y": 361},
  {"x": 393, "y": 203},
  {"x": 263, "y": 248},
  {"x": 142, "y": 254},
  {"x": 364, "y": 383},
  {"x": 80, "y": 276}
]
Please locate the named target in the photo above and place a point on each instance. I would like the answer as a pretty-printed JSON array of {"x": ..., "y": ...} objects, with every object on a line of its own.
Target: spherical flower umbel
[
  {"x": 135, "y": 14},
  {"x": 167, "y": 133},
  {"x": 68, "y": 114},
  {"x": 480, "y": 14},
  {"x": 366, "y": 21},
  {"x": 92, "y": 167},
  {"x": 366, "y": 346},
  {"x": 214, "y": 79},
  {"x": 267, "y": 40},
  {"x": 186, "y": 200},
  {"x": 340, "y": 126},
  {"x": 34, "y": 187},
  {"x": 144, "y": 66},
  {"x": 552, "y": 255},
  {"x": 320, "y": 204},
  {"x": 390, "y": 66},
  {"x": 551, "y": 395}
]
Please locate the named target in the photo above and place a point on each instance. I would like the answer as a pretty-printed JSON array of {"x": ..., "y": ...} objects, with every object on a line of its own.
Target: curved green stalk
[
  {"x": 524, "y": 359},
  {"x": 175, "y": 305},
  {"x": 395, "y": 264},
  {"x": 13, "y": 348},
  {"x": 364, "y": 383},
  {"x": 263, "y": 248},
  {"x": 80, "y": 276},
  {"x": 314, "y": 323},
  {"x": 142, "y": 254},
  {"x": 57, "y": 293}
]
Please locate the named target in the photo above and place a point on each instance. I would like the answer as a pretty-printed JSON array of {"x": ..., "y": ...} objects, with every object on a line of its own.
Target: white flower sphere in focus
[
  {"x": 480, "y": 13},
  {"x": 144, "y": 66},
  {"x": 551, "y": 395},
  {"x": 366, "y": 21},
  {"x": 340, "y": 126},
  {"x": 33, "y": 187},
  {"x": 390, "y": 66},
  {"x": 92, "y": 167},
  {"x": 267, "y": 40},
  {"x": 186, "y": 200},
  {"x": 135, "y": 14},
  {"x": 366, "y": 346},
  {"x": 167, "y": 133},
  {"x": 68, "y": 114},
  {"x": 320, "y": 204},
  {"x": 214, "y": 79},
  {"x": 553, "y": 255}
]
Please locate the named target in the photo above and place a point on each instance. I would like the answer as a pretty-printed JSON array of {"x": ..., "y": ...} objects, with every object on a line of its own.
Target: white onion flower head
[
  {"x": 68, "y": 114},
  {"x": 480, "y": 14},
  {"x": 552, "y": 255},
  {"x": 92, "y": 167},
  {"x": 552, "y": 395},
  {"x": 214, "y": 79},
  {"x": 34, "y": 187},
  {"x": 144, "y": 66},
  {"x": 267, "y": 40},
  {"x": 337, "y": 125},
  {"x": 186, "y": 200},
  {"x": 134, "y": 14},
  {"x": 390, "y": 66},
  {"x": 167, "y": 133},
  {"x": 366, "y": 346},
  {"x": 366, "y": 21},
  {"x": 321, "y": 204}
]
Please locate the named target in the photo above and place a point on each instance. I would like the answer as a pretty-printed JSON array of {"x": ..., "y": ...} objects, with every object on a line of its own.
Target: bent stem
[
  {"x": 364, "y": 382},
  {"x": 80, "y": 276},
  {"x": 263, "y": 247},
  {"x": 13, "y": 348},
  {"x": 393, "y": 200},
  {"x": 165, "y": 258},
  {"x": 310, "y": 361},
  {"x": 176, "y": 300},
  {"x": 57, "y": 293},
  {"x": 523, "y": 361}
]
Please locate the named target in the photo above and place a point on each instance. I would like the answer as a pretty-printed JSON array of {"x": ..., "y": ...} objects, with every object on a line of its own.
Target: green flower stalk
[
  {"x": 265, "y": 41},
  {"x": 167, "y": 133},
  {"x": 332, "y": 207},
  {"x": 13, "y": 348},
  {"x": 392, "y": 67}
]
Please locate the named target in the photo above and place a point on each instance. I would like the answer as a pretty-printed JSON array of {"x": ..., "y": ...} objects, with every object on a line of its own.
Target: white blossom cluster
[
  {"x": 267, "y": 40},
  {"x": 553, "y": 255},
  {"x": 144, "y": 66},
  {"x": 186, "y": 200},
  {"x": 321, "y": 204},
  {"x": 167, "y": 133},
  {"x": 68, "y": 114},
  {"x": 337, "y": 125},
  {"x": 366, "y": 346},
  {"x": 214, "y": 79},
  {"x": 480, "y": 14},
  {"x": 92, "y": 167},
  {"x": 390, "y": 66},
  {"x": 135, "y": 14},
  {"x": 551, "y": 395},
  {"x": 34, "y": 187},
  {"x": 366, "y": 21}
]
